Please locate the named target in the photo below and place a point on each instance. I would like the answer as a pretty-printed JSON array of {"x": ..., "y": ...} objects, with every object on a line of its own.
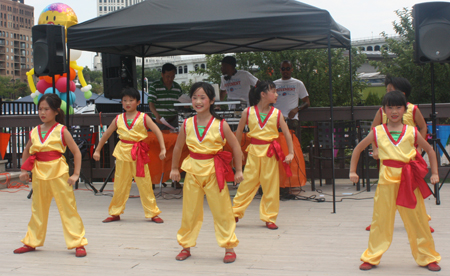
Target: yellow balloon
[{"x": 58, "y": 14}]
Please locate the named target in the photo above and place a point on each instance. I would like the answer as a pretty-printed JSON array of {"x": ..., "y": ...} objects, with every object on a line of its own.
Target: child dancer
[
  {"x": 131, "y": 157},
  {"x": 206, "y": 166},
  {"x": 43, "y": 155},
  {"x": 400, "y": 187},
  {"x": 264, "y": 152},
  {"x": 412, "y": 117}
]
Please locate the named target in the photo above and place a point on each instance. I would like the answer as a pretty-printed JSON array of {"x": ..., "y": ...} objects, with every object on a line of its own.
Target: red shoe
[
  {"x": 431, "y": 229},
  {"x": 366, "y": 266},
  {"x": 24, "y": 249},
  {"x": 80, "y": 252},
  {"x": 368, "y": 228},
  {"x": 229, "y": 257},
  {"x": 112, "y": 218},
  {"x": 157, "y": 219},
  {"x": 433, "y": 267},
  {"x": 183, "y": 255},
  {"x": 236, "y": 219},
  {"x": 271, "y": 226}
]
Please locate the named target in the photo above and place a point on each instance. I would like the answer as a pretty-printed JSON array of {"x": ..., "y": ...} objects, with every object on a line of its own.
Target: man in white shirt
[
  {"x": 235, "y": 83},
  {"x": 290, "y": 90}
]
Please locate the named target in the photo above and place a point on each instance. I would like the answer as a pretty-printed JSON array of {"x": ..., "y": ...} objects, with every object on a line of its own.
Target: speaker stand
[
  {"x": 434, "y": 141},
  {"x": 107, "y": 178}
]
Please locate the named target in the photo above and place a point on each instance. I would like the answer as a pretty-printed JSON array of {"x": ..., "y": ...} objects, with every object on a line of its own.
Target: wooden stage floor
[{"x": 311, "y": 240}]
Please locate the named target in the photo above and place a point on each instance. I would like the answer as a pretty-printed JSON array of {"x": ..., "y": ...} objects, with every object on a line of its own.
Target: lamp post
[{"x": 146, "y": 84}]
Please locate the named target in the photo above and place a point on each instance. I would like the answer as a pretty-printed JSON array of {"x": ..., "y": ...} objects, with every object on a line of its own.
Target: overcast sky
[{"x": 364, "y": 18}]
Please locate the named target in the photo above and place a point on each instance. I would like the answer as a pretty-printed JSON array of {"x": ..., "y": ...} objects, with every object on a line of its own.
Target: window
[
  {"x": 185, "y": 69},
  {"x": 369, "y": 48},
  {"x": 180, "y": 70},
  {"x": 196, "y": 67},
  {"x": 100, "y": 8},
  {"x": 377, "y": 47},
  {"x": 362, "y": 48},
  {"x": 203, "y": 66}
]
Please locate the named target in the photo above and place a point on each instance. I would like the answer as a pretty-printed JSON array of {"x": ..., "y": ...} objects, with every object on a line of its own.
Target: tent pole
[
  {"x": 332, "y": 122},
  {"x": 68, "y": 88},
  {"x": 351, "y": 81},
  {"x": 142, "y": 80}
]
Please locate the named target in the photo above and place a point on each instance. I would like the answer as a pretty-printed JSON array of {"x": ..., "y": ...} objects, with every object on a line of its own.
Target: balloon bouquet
[{"x": 60, "y": 14}]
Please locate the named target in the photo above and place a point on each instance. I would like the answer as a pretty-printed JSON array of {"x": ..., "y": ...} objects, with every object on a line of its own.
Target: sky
[{"x": 364, "y": 18}]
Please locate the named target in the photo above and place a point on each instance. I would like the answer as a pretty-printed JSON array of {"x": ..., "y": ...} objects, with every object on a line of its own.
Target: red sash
[
  {"x": 274, "y": 148},
  {"x": 221, "y": 164},
  {"x": 139, "y": 152},
  {"x": 413, "y": 174},
  {"x": 40, "y": 156}
]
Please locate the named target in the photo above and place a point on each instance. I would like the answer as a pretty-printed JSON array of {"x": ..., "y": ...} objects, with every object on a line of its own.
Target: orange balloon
[
  {"x": 48, "y": 79},
  {"x": 72, "y": 74}
]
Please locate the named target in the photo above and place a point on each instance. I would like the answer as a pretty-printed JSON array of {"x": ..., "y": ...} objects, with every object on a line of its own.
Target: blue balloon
[
  {"x": 50, "y": 91},
  {"x": 72, "y": 98}
]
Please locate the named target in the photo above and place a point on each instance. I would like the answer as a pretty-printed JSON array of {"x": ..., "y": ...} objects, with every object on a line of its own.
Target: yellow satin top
[
  {"x": 211, "y": 142},
  {"x": 135, "y": 132},
  {"x": 408, "y": 117},
  {"x": 401, "y": 150},
  {"x": 53, "y": 141},
  {"x": 266, "y": 130}
]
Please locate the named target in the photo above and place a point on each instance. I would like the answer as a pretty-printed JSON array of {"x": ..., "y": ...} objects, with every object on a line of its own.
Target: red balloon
[
  {"x": 61, "y": 85},
  {"x": 72, "y": 86},
  {"x": 42, "y": 85}
]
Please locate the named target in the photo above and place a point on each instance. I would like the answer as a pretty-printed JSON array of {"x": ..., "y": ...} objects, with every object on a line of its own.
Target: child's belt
[
  {"x": 221, "y": 164},
  {"x": 40, "y": 156},
  {"x": 274, "y": 148},
  {"x": 139, "y": 152}
]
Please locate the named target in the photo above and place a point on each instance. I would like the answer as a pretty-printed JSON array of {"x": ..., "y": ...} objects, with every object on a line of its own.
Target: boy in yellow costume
[
  {"x": 263, "y": 154},
  {"x": 44, "y": 157},
  {"x": 207, "y": 167},
  {"x": 400, "y": 187},
  {"x": 132, "y": 157}
]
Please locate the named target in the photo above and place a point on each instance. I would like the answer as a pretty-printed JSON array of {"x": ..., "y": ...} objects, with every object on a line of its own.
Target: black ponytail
[
  {"x": 209, "y": 90},
  {"x": 254, "y": 95},
  {"x": 54, "y": 102}
]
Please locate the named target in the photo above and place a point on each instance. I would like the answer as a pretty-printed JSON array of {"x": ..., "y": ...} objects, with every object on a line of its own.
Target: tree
[
  {"x": 94, "y": 78},
  {"x": 402, "y": 65},
  {"x": 12, "y": 89}
]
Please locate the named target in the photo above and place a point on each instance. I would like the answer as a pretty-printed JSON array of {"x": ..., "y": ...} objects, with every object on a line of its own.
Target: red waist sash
[
  {"x": 40, "y": 156},
  {"x": 274, "y": 148},
  {"x": 413, "y": 174},
  {"x": 139, "y": 153},
  {"x": 221, "y": 164}
]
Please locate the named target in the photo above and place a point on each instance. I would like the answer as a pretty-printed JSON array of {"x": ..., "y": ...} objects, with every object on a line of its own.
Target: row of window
[
  {"x": 184, "y": 69},
  {"x": 127, "y": 2},
  {"x": 109, "y": 9},
  {"x": 15, "y": 36},
  {"x": 371, "y": 48}
]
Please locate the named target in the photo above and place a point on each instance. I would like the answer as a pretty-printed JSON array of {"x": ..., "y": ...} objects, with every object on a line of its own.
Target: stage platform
[{"x": 311, "y": 240}]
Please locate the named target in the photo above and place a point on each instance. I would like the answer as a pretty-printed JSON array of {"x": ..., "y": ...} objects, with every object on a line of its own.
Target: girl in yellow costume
[
  {"x": 400, "y": 187},
  {"x": 412, "y": 117},
  {"x": 132, "y": 157},
  {"x": 44, "y": 157},
  {"x": 206, "y": 167},
  {"x": 264, "y": 152}
]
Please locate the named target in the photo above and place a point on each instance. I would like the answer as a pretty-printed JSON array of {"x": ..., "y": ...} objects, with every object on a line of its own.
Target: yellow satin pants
[
  {"x": 125, "y": 172},
  {"x": 43, "y": 192},
  {"x": 382, "y": 227},
  {"x": 264, "y": 171},
  {"x": 194, "y": 190}
]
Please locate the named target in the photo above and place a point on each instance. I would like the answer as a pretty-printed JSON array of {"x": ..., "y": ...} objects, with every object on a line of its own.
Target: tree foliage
[
  {"x": 12, "y": 89},
  {"x": 402, "y": 65},
  {"x": 310, "y": 66}
]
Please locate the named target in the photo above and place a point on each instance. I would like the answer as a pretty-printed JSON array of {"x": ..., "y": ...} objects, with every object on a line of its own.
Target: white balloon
[
  {"x": 33, "y": 95},
  {"x": 74, "y": 54}
]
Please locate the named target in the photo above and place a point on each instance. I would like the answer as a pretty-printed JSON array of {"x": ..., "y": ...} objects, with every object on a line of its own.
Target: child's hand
[
  {"x": 24, "y": 176},
  {"x": 375, "y": 153},
  {"x": 434, "y": 178},
  {"x": 354, "y": 177},
  {"x": 238, "y": 177},
  {"x": 162, "y": 154},
  {"x": 96, "y": 156},
  {"x": 175, "y": 175},
  {"x": 73, "y": 179},
  {"x": 289, "y": 158}
]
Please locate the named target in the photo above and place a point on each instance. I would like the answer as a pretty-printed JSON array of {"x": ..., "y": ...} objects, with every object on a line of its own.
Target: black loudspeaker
[
  {"x": 431, "y": 22},
  {"x": 49, "y": 49},
  {"x": 118, "y": 72}
]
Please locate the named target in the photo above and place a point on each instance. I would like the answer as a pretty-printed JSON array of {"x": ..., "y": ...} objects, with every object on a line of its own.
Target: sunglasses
[{"x": 285, "y": 68}]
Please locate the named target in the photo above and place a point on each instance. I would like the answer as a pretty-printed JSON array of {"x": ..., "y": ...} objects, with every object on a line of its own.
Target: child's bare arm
[
  {"x": 236, "y": 147},
  {"x": 431, "y": 157},
  {"x": 25, "y": 155},
  {"x": 112, "y": 127},
  {"x": 287, "y": 136},
  {"x": 155, "y": 129},
  {"x": 356, "y": 153},
  {"x": 76, "y": 157},
  {"x": 181, "y": 140}
]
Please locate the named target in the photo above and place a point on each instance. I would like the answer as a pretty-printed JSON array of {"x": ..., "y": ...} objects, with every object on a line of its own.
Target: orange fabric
[
  {"x": 157, "y": 167},
  {"x": 4, "y": 140}
]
